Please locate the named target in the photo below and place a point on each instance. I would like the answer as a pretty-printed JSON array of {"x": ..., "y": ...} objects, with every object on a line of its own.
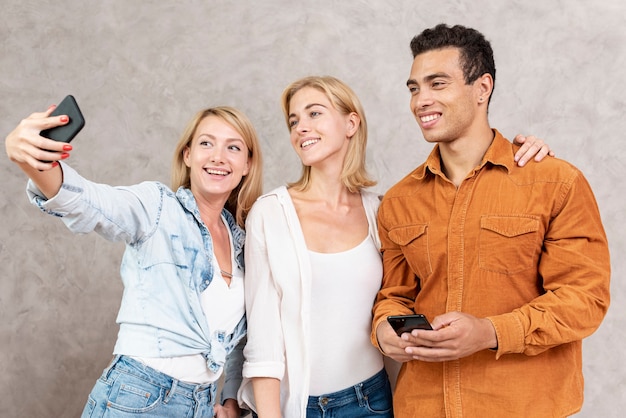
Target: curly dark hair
[{"x": 475, "y": 51}]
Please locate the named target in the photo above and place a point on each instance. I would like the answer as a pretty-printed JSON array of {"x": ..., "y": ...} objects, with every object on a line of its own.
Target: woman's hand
[
  {"x": 531, "y": 146},
  {"x": 38, "y": 156},
  {"x": 26, "y": 147},
  {"x": 230, "y": 409}
]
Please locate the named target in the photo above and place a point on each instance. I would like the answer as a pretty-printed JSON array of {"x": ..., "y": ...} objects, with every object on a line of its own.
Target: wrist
[
  {"x": 231, "y": 404},
  {"x": 491, "y": 337}
]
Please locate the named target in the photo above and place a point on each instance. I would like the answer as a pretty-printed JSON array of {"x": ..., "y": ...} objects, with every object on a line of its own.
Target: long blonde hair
[
  {"x": 354, "y": 175},
  {"x": 251, "y": 186}
]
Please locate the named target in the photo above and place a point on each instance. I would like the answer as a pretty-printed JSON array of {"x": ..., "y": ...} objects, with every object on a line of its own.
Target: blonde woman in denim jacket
[{"x": 182, "y": 320}]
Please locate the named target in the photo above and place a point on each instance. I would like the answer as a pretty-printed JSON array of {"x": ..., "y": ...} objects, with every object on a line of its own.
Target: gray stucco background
[{"x": 140, "y": 69}]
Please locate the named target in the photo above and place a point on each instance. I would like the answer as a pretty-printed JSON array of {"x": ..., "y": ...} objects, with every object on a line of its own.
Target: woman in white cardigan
[{"x": 313, "y": 269}]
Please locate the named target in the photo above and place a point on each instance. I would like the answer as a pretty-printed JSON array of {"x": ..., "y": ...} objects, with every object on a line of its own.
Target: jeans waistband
[
  {"x": 125, "y": 364},
  {"x": 351, "y": 394}
]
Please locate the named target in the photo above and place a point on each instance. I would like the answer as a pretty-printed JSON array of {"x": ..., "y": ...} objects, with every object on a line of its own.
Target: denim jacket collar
[{"x": 188, "y": 201}]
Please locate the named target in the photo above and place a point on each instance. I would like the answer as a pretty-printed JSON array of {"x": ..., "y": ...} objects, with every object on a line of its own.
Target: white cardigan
[{"x": 278, "y": 296}]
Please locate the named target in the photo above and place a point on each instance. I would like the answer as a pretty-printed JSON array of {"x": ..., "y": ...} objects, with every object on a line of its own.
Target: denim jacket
[{"x": 165, "y": 267}]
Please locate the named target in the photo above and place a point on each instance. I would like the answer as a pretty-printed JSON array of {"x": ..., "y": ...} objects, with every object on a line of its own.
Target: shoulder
[
  {"x": 371, "y": 200},
  {"x": 409, "y": 183},
  {"x": 154, "y": 187},
  {"x": 150, "y": 193},
  {"x": 270, "y": 200},
  {"x": 267, "y": 206},
  {"x": 549, "y": 170},
  {"x": 371, "y": 196}
]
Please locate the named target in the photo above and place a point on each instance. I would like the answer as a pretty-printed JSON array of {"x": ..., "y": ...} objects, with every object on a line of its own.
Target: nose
[
  {"x": 302, "y": 126},
  {"x": 422, "y": 99},
  {"x": 217, "y": 153}
]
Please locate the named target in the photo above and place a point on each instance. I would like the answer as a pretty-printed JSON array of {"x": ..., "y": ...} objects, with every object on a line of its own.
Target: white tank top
[{"x": 343, "y": 291}]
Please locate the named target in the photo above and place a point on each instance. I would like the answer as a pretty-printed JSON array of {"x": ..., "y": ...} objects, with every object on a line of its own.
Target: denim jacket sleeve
[{"x": 117, "y": 213}]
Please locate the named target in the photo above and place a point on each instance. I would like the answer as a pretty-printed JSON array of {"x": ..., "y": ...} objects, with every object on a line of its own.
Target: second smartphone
[{"x": 407, "y": 323}]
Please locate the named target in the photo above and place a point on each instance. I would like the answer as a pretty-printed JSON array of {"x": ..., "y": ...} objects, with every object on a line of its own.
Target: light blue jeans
[
  {"x": 370, "y": 398},
  {"x": 127, "y": 388}
]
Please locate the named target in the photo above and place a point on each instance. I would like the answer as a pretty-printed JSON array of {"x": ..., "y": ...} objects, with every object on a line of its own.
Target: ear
[
  {"x": 186, "y": 157},
  {"x": 484, "y": 87},
  {"x": 353, "y": 123},
  {"x": 246, "y": 169}
]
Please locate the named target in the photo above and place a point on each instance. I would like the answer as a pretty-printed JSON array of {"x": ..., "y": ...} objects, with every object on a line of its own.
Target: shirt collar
[
  {"x": 186, "y": 198},
  {"x": 499, "y": 153},
  {"x": 188, "y": 201}
]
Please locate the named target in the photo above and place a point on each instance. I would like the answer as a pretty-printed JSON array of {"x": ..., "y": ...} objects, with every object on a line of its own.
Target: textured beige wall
[{"x": 139, "y": 69}]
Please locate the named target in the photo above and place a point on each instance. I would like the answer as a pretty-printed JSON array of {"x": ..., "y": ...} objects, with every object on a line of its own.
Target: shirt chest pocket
[
  {"x": 169, "y": 250},
  {"x": 413, "y": 241},
  {"x": 509, "y": 244},
  {"x": 173, "y": 256}
]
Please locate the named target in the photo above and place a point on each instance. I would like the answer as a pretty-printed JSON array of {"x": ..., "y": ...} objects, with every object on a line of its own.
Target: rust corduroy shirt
[{"x": 523, "y": 247}]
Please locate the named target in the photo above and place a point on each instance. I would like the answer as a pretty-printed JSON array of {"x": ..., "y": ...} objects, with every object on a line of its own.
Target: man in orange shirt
[{"x": 511, "y": 264}]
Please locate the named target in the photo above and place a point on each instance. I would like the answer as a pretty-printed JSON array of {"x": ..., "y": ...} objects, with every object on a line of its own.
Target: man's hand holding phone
[
  {"x": 456, "y": 335},
  {"x": 453, "y": 335}
]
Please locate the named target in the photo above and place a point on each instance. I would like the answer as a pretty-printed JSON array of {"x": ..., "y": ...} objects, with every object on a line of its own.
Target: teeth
[
  {"x": 429, "y": 118},
  {"x": 217, "y": 172},
  {"x": 308, "y": 142}
]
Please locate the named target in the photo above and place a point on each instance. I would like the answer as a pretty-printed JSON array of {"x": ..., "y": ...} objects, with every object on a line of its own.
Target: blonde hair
[
  {"x": 249, "y": 189},
  {"x": 354, "y": 175}
]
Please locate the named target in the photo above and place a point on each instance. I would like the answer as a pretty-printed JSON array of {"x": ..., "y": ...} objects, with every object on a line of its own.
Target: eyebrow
[
  {"x": 429, "y": 77},
  {"x": 211, "y": 136},
  {"x": 307, "y": 107}
]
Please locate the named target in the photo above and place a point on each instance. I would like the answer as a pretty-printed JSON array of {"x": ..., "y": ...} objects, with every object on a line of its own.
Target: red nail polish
[
  {"x": 64, "y": 155},
  {"x": 64, "y": 118},
  {"x": 54, "y": 164},
  {"x": 67, "y": 147}
]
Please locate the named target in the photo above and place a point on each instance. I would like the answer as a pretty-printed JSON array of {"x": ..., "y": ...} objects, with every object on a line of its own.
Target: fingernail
[
  {"x": 64, "y": 119},
  {"x": 54, "y": 164},
  {"x": 67, "y": 147},
  {"x": 64, "y": 155}
]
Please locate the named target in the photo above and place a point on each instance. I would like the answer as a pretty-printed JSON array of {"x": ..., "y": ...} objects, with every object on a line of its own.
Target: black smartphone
[
  {"x": 67, "y": 132},
  {"x": 407, "y": 323}
]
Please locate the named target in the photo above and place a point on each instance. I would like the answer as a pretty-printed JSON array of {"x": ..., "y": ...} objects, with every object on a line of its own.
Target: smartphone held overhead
[{"x": 67, "y": 132}]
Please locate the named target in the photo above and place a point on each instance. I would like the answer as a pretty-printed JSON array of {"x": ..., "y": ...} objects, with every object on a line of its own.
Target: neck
[
  {"x": 328, "y": 188},
  {"x": 461, "y": 156},
  {"x": 210, "y": 210}
]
